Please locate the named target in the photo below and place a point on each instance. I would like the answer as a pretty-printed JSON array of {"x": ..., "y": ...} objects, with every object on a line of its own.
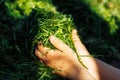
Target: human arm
[
  {"x": 107, "y": 72},
  {"x": 72, "y": 69},
  {"x": 97, "y": 68}
]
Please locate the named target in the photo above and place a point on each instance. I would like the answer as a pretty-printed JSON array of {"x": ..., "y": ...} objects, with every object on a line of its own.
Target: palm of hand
[{"x": 62, "y": 60}]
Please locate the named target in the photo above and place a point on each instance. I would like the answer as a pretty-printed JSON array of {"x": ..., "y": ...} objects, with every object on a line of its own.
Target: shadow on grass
[
  {"x": 93, "y": 30},
  {"x": 17, "y": 59}
]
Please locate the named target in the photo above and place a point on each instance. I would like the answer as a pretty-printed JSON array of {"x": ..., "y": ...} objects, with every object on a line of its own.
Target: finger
[
  {"x": 42, "y": 49},
  {"x": 89, "y": 61},
  {"x": 46, "y": 51},
  {"x": 80, "y": 48},
  {"x": 60, "y": 45},
  {"x": 40, "y": 55}
]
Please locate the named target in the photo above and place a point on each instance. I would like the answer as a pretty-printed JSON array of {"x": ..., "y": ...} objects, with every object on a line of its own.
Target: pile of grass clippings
[
  {"x": 44, "y": 17},
  {"x": 22, "y": 24}
]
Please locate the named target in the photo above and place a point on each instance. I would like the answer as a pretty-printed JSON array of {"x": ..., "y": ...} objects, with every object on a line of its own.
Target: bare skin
[
  {"x": 65, "y": 62},
  {"x": 98, "y": 69},
  {"x": 88, "y": 61}
]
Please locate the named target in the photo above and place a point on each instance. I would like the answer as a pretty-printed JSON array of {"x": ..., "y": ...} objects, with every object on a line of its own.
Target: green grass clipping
[{"x": 25, "y": 23}]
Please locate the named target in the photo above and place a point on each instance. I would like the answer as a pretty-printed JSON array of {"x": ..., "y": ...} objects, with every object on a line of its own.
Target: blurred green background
[{"x": 97, "y": 22}]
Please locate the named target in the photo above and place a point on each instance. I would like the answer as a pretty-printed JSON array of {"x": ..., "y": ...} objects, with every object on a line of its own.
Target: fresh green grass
[{"x": 25, "y": 22}]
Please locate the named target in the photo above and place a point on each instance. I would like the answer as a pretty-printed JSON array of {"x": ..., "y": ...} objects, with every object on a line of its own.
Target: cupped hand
[{"x": 63, "y": 59}]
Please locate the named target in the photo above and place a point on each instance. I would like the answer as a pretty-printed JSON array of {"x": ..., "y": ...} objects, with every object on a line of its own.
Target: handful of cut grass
[
  {"x": 32, "y": 21},
  {"x": 44, "y": 19},
  {"x": 54, "y": 24}
]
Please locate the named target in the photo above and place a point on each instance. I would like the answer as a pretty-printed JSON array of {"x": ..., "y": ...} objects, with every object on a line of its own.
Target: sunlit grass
[
  {"x": 26, "y": 22},
  {"x": 108, "y": 10}
]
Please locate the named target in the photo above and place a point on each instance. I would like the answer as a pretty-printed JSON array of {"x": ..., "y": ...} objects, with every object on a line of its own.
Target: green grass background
[{"x": 22, "y": 26}]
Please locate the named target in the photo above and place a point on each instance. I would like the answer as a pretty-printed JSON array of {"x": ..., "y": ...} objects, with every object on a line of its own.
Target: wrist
[
  {"x": 74, "y": 72},
  {"x": 80, "y": 73}
]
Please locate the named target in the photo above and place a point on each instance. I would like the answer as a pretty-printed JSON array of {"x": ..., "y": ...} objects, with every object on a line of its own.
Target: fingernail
[
  {"x": 41, "y": 61},
  {"x": 74, "y": 31},
  {"x": 52, "y": 38},
  {"x": 39, "y": 43},
  {"x": 53, "y": 72}
]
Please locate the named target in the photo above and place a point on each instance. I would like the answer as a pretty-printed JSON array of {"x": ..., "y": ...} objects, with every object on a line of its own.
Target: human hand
[{"x": 63, "y": 60}]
